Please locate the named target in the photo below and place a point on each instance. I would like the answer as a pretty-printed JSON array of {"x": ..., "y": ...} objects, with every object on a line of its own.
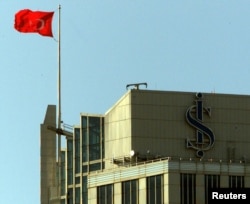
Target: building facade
[{"x": 156, "y": 147}]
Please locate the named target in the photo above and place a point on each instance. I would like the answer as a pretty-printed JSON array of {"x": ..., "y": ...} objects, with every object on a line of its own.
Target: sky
[{"x": 172, "y": 45}]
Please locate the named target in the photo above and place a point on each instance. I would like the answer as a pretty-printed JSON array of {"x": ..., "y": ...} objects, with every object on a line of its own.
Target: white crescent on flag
[{"x": 42, "y": 24}]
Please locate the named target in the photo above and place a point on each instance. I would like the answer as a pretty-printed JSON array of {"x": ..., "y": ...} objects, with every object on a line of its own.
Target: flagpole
[{"x": 59, "y": 103}]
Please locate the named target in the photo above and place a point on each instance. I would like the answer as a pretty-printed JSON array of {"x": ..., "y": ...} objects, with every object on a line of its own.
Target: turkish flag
[{"x": 27, "y": 21}]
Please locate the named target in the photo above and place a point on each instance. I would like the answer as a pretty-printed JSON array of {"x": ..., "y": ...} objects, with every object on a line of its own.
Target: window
[
  {"x": 236, "y": 182},
  {"x": 188, "y": 189},
  {"x": 77, "y": 180},
  {"x": 70, "y": 161},
  {"x": 154, "y": 190},
  {"x": 63, "y": 173},
  {"x": 84, "y": 139},
  {"x": 94, "y": 138},
  {"x": 130, "y": 192},
  {"x": 77, "y": 195},
  {"x": 77, "y": 150},
  {"x": 85, "y": 168},
  {"x": 84, "y": 190},
  {"x": 105, "y": 194},
  {"x": 70, "y": 196},
  {"x": 211, "y": 181},
  {"x": 95, "y": 167},
  {"x": 103, "y": 136}
]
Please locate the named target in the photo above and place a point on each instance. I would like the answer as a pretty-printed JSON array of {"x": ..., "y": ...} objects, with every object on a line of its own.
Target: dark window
[
  {"x": 105, "y": 194},
  {"x": 103, "y": 137},
  {"x": 84, "y": 139},
  {"x": 85, "y": 198},
  {"x": 211, "y": 181},
  {"x": 63, "y": 173},
  {"x": 95, "y": 167},
  {"x": 236, "y": 182},
  {"x": 188, "y": 189},
  {"x": 84, "y": 190},
  {"x": 84, "y": 168},
  {"x": 77, "y": 196},
  {"x": 130, "y": 192},
  {"x": 94, "y": 138},
  {"x": 77, "y": 150},
  {"x": 70, "y": 161},
  {"x": 77, "y": 180},
  {"x": 70, "y": 196},
  {"x": 154, "y": 190}
]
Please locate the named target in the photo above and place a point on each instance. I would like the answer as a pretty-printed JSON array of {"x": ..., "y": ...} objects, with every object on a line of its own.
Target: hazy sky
[{"x": 174, "y": 45}]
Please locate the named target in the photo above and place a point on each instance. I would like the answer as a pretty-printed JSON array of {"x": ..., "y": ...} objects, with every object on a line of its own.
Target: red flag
[{"x": 27, "y": 21}]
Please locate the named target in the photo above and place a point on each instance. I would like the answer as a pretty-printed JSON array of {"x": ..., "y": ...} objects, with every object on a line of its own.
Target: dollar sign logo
[{"x": 204, "y": 135}]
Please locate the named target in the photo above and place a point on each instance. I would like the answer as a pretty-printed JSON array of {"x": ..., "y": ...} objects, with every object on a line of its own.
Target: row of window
[
  {"x": 92, "y": 149},
  {"x": 130, "y": 189},
  {"x": 188, "y": 186},
  {"x": 130, "y": 192}
]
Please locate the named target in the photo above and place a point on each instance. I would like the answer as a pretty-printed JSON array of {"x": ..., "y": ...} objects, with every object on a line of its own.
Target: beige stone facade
[
  {"x": 48, "y": 182},
  {"x": 155, "y": 121},
  {"x": 161, "y": 147},
  {"x": 170, "y": 171}
]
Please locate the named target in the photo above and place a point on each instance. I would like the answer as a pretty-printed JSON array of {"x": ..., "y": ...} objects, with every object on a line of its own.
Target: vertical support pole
[{"x": 59, "y": 104}]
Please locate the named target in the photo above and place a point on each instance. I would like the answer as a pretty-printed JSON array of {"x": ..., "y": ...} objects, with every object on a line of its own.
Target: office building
[{"x": 150, "y": 147}]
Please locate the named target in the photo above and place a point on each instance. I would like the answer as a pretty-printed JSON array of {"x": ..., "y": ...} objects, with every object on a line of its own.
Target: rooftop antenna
[{"x": 136, "y": 86}]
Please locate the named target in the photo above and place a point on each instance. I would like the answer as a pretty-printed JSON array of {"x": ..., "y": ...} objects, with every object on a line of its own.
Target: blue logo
[{"x": 204, "y": 135}]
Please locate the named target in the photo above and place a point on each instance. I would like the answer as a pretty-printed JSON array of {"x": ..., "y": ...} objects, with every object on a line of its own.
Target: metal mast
[{"x": 59, "y": 105}]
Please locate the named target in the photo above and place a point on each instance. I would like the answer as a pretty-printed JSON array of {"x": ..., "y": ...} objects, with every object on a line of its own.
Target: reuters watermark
[{"x": 218, "y": 195}]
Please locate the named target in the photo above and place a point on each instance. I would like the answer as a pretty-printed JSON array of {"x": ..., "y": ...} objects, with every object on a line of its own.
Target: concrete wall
[
  {"x": 48, "y": 157},
  {"x": 118, "y": 130},
  {"x": 155, "y": 122}
]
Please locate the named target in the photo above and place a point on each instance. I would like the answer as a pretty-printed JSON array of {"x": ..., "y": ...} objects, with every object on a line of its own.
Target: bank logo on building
[{"x": 203, "y": 139}]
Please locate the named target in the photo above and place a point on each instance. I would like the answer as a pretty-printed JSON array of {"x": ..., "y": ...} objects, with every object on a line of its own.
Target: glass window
[
  {"x": 77, "y": 150},
  {"x": 63, "y": 173},
  {"x": 77, "y": 196},
  {"x": 103, "y": 149},
  {"x": 105, "y": 194},
  {"x": 154, "y": 190},
  {"x": 84, "y": 198},
  {"x": 109, "y": 194},
  {"x": 84, "y": 122},
  {"x": 77, "y": 180},
  {"x": 70, "y": 196},
  {"x": 70, "y": 161},
  {"x": 130, "y": 192},
  {"x": 211, "y": 181},
  {"x": 94, "y": 152},
  {"x": 94, "y": 138},
  {"x": 84, "y": 153},
  {"x": 84, "y": 190},
  {"x": 188, "y": 188},
  {"x": 95, "y": 167},
  {"x": 85, "y": 168},
  {"x": 236, "y": 182},
  {"x": 84, "y": 139}
]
